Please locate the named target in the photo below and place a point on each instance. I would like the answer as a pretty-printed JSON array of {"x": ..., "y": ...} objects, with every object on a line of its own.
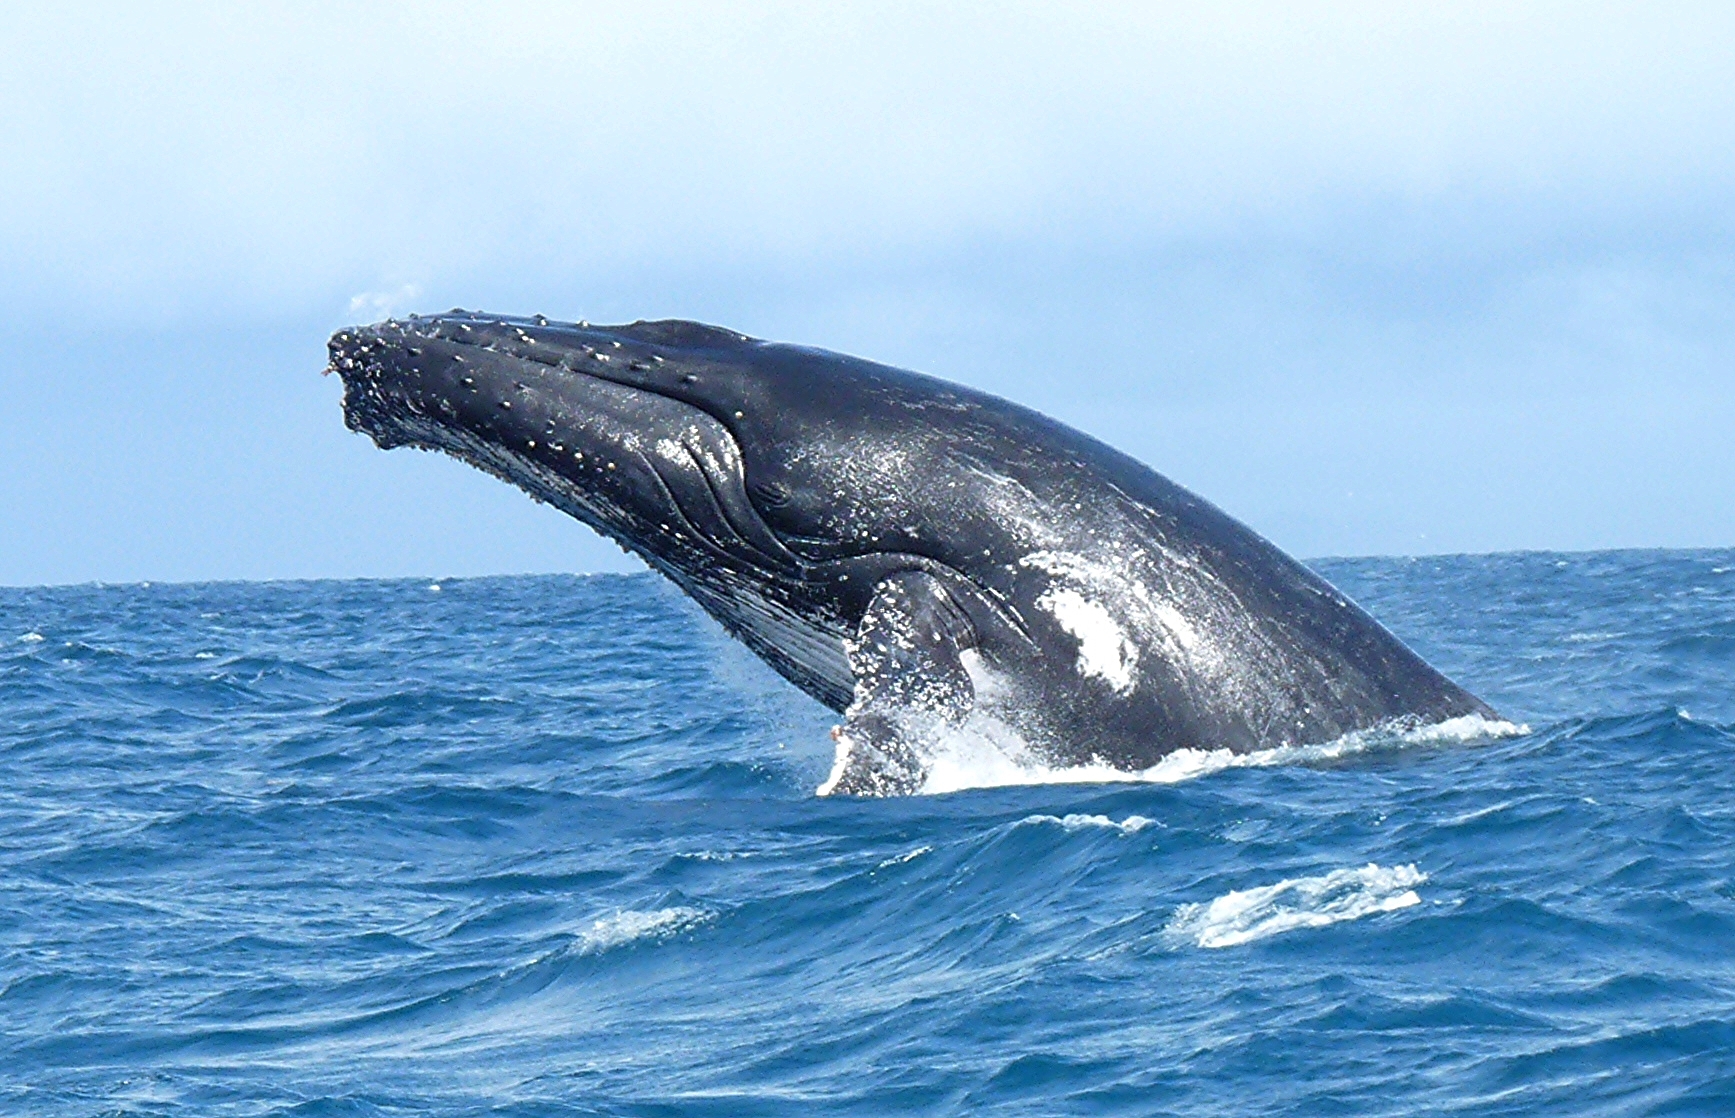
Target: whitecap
[
  {"x": 1478, "y": 815},
  {"x": 629, "y": 926},
  {"x": 1132, "y": 824},
  {"x": 907, "y": 857},
  {"x": 716, "y": 855},
  {"x": 1246, "y": 915},
  {"x": 32, "y": 638},
  {"x": 987, "y": 754}
]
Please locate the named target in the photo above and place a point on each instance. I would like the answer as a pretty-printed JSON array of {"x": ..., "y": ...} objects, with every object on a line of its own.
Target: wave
[
  {"x": 1132, "y": 824},
  {"x": 989, "y": 755},
  {"x": 629, "y": 926},
  {"x": 910, "y": 856},
  {"x": 1246, "y": 915}
]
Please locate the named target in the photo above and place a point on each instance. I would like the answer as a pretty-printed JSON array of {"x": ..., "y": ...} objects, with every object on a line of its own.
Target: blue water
[{"x": 548, "y": 846}]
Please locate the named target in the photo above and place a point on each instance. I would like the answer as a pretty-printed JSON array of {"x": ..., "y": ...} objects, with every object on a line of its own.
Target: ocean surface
[{"x": 549, "y": 846}]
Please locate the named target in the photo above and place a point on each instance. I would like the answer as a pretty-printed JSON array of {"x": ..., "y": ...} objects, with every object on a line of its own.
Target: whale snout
[
  {"x": 402, "y": 379},
  {"x": 382, "y": 384}
]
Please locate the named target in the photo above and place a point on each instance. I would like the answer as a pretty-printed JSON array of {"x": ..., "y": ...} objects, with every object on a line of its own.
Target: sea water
[{"x": 550, "y": 846}]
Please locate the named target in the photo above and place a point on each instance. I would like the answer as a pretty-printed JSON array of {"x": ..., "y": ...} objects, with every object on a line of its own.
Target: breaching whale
[{"x": 915, "y": 554}]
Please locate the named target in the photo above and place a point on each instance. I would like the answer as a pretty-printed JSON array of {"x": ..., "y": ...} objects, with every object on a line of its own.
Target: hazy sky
[{"x": 1373, "y": 279}]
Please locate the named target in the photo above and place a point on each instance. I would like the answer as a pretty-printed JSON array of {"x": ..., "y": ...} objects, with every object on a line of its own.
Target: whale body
[{"x": 912, "y": 553}]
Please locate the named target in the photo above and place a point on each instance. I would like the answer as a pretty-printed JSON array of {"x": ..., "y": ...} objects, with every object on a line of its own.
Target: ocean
[{"x": 549, "y": 845}]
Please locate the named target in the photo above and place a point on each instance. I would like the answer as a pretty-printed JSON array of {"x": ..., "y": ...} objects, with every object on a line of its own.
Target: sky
[{"x": 1376, "y": 279}]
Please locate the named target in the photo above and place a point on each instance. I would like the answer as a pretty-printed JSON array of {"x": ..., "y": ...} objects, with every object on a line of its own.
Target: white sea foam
[
  {"x": 987, "y": 754},
  {"x": 1246, "y": 915},
  {"x": 629, "y": 926},
  {"x": 1132, "y": 824},
  {"x": 32, "y": 638}
]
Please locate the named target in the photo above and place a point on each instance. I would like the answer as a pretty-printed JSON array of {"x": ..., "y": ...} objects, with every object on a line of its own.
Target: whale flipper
[{"x": 911, "y": 686}]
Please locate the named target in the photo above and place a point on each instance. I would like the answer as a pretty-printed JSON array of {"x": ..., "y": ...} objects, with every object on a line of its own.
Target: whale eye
[{"x": 769, "y": 494}]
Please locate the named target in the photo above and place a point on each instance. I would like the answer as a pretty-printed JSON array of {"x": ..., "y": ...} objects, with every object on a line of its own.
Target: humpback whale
[{"x": 914, "y": 554}]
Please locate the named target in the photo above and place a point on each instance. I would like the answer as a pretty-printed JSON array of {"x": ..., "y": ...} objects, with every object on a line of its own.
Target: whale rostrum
[{"x": 913, "y": 553}]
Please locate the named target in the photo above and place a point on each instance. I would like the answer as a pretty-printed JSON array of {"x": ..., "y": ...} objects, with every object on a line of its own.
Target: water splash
[{"x": 985, "y": 754}]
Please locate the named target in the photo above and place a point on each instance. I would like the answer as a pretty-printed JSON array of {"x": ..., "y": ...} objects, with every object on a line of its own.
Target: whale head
[{"x": 768, "y": 481}]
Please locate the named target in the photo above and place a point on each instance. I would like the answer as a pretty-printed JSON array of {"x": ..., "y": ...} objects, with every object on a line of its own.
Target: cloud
[
  {"x": 163, "y": 161},
  {"x": 371, "y": 306}
]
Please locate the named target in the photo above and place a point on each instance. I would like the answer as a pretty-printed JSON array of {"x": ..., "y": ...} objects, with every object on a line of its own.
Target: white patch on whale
[
  {"x": 1113, "y": 585},
  {"x": 1105, "y": 651},
  {"x": 1184, "y": 634}
]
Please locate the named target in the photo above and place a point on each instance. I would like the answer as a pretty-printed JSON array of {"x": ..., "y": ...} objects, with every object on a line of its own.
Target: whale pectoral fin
[{"x": 910, "y": 687}]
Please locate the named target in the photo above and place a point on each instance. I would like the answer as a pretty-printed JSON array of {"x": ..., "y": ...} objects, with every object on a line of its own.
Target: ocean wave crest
[
  {"x": 1132, "y": 824},
  {"x": 1246, "y": 915},
  {"x": 629, "y": 926}
]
